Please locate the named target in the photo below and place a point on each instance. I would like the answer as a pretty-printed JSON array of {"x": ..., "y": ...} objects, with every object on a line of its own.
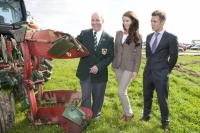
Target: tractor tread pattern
[{"x": 7, "y": 118}]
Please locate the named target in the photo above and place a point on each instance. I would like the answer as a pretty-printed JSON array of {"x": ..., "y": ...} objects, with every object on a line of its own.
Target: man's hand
[
  {"x": 94, "y": 69},
  {"x": 134, "y": 75}
]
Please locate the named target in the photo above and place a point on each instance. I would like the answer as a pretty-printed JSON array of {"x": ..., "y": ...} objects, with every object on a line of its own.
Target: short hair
[
  {"x": 160, "y": 14},
  {"x": 99, "y": 14}
]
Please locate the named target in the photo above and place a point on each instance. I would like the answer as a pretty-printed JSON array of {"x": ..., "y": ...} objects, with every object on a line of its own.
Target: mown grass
[
  {"x": 184, "y": 99},
  {"x": 187, "y": 59},
  {"x": 193, "y": 67}
]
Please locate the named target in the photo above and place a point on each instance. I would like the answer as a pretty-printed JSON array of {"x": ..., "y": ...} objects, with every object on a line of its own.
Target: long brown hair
[{"x": 133, "y": 32}]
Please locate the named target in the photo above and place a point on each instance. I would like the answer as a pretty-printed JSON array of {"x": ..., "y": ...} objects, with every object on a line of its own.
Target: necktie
[
  {"x": 95, "y": 41},
  {"x": 153, "y": 48}
]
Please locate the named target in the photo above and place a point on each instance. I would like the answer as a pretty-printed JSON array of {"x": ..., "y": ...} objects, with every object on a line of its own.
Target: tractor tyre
[
  {"x": 12, "y": 102},
  {"x": 46, "y": 65},
  {"x": 7, "y": 118}
]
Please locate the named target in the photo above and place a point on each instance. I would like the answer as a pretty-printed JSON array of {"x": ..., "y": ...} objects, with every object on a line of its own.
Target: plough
[
  {"x": 54, "y": 45},
  {"x": 50, "y": 44}
]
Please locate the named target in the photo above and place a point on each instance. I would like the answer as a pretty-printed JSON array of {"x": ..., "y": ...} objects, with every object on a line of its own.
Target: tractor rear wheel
[
  {"x": 7, "y": 118},
  {"x": 12, "y": 102}
]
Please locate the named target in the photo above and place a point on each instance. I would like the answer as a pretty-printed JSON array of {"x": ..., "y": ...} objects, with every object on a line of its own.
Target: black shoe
[
  {"x": 165, "y": 127},
  {"x": 145, "y": 118},
  {"x": 97, "y": 117}
]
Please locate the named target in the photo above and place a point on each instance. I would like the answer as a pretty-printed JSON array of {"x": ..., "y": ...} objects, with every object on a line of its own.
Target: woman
[{"x": 127, "y": 59}]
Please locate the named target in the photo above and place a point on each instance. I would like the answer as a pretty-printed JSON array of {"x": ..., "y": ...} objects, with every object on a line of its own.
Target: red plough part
[{"x": 40, "y": 44}]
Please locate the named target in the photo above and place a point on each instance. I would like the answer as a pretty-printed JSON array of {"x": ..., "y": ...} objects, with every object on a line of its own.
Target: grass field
[{"x": 184, "y": 100}]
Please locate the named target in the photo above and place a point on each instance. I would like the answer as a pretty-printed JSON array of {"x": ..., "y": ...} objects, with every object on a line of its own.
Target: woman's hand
[
  {"x": 113, "y": 69},
  {"x": 134, "y": 75}
]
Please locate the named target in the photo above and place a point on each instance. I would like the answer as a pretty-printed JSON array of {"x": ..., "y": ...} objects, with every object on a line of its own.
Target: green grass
[
  {"x": 188, "y": 59},
  {"x": 193, "y": 68},
  {"x": 184, "y": 100}
]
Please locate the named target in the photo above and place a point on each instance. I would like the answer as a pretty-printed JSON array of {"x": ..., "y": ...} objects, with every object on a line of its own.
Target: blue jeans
[{"x": 97, "y": 90}]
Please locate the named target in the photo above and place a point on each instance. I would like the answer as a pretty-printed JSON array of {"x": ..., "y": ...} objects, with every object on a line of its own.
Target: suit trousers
[
  {"x": 123, "y": 79},
  {"x": 97, "y": 90},
  {"x": 161, "y": 86}
]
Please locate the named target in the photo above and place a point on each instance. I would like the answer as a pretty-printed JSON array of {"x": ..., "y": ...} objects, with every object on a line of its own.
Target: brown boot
[
  {"x": 123, "y": 118},
  {"x": 128, "y": 118}
]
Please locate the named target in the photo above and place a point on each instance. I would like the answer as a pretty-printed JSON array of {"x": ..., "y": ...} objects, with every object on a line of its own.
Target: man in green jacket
[{"x": 92, "y": 70}]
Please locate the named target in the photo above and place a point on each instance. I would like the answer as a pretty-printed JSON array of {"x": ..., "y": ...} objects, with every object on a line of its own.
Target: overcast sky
[{"x": 72, "y": 16}]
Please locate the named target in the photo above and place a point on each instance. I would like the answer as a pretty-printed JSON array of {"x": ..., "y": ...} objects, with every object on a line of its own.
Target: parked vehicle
[
  {"x": 144, "y": 46},
  {"x": 183, "y": 46},
  {"x": 187, "y": 45},
  {"x": 191, "y": 45},
  {"x": 196, "y": 47},
  {"x": 180, "y": 49}
]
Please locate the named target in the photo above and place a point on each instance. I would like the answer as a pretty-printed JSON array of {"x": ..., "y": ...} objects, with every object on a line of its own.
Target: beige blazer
[{"x": 127, "y": 57}]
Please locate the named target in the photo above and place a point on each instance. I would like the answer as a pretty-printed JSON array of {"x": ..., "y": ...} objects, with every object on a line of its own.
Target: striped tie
[{"x": 95, "y": 41}]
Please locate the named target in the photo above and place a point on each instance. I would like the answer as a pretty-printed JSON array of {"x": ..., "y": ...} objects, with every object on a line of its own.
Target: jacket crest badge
[{"x": 104, "y": 51}]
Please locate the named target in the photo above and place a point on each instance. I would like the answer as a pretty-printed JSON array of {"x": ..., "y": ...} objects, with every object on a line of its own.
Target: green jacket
[{"x": 102, "y": 57}]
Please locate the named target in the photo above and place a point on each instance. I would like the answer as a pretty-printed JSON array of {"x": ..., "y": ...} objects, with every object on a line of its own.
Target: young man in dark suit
[
  {"x": 161, "y": 56},
  {"x": 92, "y": 70}
]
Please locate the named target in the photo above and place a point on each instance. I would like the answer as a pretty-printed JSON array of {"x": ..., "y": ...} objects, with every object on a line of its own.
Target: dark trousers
[
  {"x": 161, "y": 86},
  {"x": 97, "y": 90}
]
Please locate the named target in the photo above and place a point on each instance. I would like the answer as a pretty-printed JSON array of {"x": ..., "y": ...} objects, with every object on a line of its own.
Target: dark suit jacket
[
  {"x": 102, "y": 57},
  {"x": 127, "y": 57},
  {"x": 164, "y": 58}
]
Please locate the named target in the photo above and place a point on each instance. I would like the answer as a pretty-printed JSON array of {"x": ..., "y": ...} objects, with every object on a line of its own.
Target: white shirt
[
  {"x": 124, "y": 36},
  {"x": 99, "y": 33},
  {"x": 158, "y": 38}
]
